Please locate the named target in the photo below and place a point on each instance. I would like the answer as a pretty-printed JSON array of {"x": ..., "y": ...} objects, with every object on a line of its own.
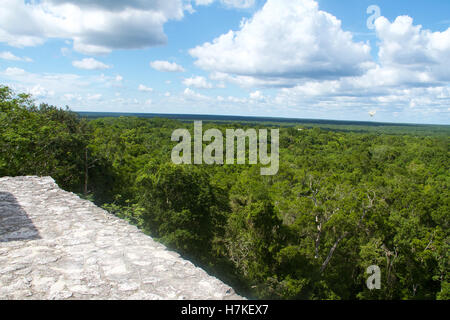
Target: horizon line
[{"x": 286, "y": 119}]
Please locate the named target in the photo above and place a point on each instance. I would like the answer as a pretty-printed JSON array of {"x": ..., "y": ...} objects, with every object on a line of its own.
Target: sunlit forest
[{"x": 345, "y": 197}]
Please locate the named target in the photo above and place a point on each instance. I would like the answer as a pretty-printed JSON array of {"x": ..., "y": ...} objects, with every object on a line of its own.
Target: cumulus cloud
[
  {"x": 409, "y": 47},
  {"x": 288, "y": 39},
  {"x": 6, "y": 55},
  {"x": 322, "y": 68},
  {"x": 197, "y": 82},
  {"x": 409, "y": 57},
  {"x": 96, "y": 27},
  {"x": 409, "y": 81},
  {"x": 166, "y": 66},
  {"x": 90, "y": 64}
]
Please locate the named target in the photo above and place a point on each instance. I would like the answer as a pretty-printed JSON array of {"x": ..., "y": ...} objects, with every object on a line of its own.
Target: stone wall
[{"x": 54, "y": 245}]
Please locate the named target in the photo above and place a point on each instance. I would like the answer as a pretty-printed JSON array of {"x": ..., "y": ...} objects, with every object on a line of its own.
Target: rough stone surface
[{"x": 54, "y": 245}]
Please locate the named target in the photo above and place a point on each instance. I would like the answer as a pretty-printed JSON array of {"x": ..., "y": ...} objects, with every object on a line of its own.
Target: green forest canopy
[{"x": 345, "y": 198}]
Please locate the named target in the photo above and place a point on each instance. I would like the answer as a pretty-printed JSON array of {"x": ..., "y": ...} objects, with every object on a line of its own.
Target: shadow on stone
[{"x": 15, "y": 225}]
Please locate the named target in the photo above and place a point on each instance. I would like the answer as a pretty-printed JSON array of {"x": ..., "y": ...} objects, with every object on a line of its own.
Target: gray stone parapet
[{"x": 54, "y": 245}]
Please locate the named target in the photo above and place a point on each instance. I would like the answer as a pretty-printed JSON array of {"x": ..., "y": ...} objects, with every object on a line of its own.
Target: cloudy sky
[{"x": 325, "y": 59}]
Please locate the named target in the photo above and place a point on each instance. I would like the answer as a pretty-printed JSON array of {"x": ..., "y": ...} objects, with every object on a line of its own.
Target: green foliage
[
  {"x": 40, "y": 140},
  {"x": 344, "y": 199},
  {"x": 47, "y": 141},
  {"x": 179, "y": 205}
]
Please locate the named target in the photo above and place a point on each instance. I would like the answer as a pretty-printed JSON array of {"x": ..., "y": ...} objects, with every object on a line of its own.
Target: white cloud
[
  {"x": 72, "y": 97},
  {"x": 6, "y": 55},
  {"x": 58, "y": 88},
  {"x": 12, "y": 72},
  {"x": 287, "y": 39},
  {"x": 94, "y": 97},
  {"x": 412, "y": 72},
  {"x": 90, "y": 64},
  {"x": 237, "y": 100},
  {"x": 338, "y": 101},
  {"x": 144, "y": 88},
  {"x": 95, "y": 27},
  {"x": 203, "y": 2},
  {"x": 228, "y": 3},
  {"x": 197, "y": 82},
  {"x": 166, "y": 66},
  {"x": 57, "y": 81},
  {"x": 409, "y": 47},
  {"x": 257, "y": 95},
  {"x": 239, "y": 3},
  {"x": 248, "y": 81},
  {"x": 188, "y": 7},
  {"x": 314, "y": 67},
  {"x": 409, "y": 57},
  {"x": 39, "y": 91},
  {"x": 189, "y": 93}
]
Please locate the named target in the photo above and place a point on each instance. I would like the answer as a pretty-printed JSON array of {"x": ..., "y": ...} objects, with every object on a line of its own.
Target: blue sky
[{"x": 282, "y": 58}]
